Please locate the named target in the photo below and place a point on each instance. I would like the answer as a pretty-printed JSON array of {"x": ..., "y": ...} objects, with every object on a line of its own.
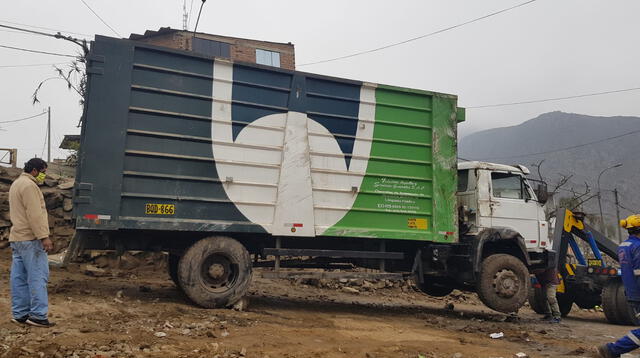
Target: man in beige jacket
[{"x": 29, "y": 239}]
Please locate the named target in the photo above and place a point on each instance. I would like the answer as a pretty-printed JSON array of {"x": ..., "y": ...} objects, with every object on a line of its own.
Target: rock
[
  {"x": 93, "y": 271},
  {"x": 350, "y": 290},
  {"x": 67, "y": 204},
  {"x": 160, "y": 334},
  {"x": 520, "y": 355},
  {"x": 5, "y": 223},
  {"x": 457, "y": 355},
  {"x": 185, "y": 332},
  {"x": 119, "y": 294},
  {"x": 243, "y": 352},
  {"x": 241, "y": 305},
  {"x": 65, "y": 185},
  {"x": 50, "y": 182}
]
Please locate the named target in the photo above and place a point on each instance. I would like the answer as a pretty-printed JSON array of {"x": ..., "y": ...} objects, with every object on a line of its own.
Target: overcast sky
[{"x": 546, "y": 49}]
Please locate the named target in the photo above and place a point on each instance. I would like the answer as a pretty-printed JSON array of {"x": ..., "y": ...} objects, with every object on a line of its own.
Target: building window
[
  {"x": 211, "y": 48},
  {"x": 269, "y": 58}
]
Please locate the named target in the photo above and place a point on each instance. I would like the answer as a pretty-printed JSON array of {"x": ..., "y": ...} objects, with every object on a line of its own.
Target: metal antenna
[{"x": 185, "y": 15}]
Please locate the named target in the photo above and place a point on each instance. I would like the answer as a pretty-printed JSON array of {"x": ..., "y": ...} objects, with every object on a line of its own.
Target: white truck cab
[{"x": 498, "y": 196}]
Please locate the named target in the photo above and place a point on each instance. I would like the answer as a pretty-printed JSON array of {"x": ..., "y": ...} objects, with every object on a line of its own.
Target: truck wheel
[
  {"x": 434, "y": 288},
  {"x": 537, "y": 300},
  {"x": 615, "y": 306},
  {"x": 610, "y": 302},
  {"x": 172, "y": 267},
  {"x": 215, "y": 272},
  {"x": 503, "y": 283},
  {"x": 626, "y": 313},
  {"x": 565, "y": 302}
]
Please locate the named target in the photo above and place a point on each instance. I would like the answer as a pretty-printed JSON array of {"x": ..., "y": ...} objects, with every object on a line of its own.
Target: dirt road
[{"x": 142, "y": 314}]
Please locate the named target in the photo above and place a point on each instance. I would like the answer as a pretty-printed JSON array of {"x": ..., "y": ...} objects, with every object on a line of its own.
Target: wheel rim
[
  {"x": 218, "y": 272},
  {"x": 506, "y": 283}
]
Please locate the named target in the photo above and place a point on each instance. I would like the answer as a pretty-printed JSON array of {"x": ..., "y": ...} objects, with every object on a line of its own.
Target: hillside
[{"x": 590, "y": 151}]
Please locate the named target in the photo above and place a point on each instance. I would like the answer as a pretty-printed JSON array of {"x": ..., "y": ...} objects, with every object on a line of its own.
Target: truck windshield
[{"x": 509, "y": 186}]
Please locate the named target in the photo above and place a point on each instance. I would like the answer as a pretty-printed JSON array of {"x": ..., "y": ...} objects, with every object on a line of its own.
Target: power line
[
  {"x": 36, "y": 51},
  {"x": 555, "y": 99},
  {"x": 24, "y": 119},
  {"x": 28, "y": 31},
  {"x": 31, "y": 65},
  {"x": 567, "y": 148},
  {"x": 418, "y": 37},
  {"x": 98, "y": 16},
  {"x": 45, "y": 28}
]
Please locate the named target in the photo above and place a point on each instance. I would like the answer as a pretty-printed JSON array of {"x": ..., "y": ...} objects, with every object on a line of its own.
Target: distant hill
[{"x": 590, "y": 152}]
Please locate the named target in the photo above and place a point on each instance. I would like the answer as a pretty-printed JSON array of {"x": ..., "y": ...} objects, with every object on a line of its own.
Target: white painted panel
[{"x": 295, "y": 200}]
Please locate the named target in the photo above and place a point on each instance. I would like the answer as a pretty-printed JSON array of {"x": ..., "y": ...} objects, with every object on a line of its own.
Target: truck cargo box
[{"x": 177, "y": 141}]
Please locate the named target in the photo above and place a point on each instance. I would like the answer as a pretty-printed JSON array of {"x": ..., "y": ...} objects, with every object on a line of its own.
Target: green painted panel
[{"x": 408, "y": 191}]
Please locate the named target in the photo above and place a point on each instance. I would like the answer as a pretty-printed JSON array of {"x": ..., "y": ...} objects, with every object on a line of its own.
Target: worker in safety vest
[{"x": 629, "y": 258}]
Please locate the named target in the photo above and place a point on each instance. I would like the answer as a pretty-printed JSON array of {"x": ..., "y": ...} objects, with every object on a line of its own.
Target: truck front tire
[
  {"x": 503, "y": 283},
  {"x": 215, "y": 272}
]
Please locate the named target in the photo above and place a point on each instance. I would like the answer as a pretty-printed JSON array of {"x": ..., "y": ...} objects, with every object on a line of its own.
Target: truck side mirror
[{"x": 542, "y": 193}]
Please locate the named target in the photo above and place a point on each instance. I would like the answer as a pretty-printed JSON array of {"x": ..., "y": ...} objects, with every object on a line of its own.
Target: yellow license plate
[{"x": 159, "y": 209}]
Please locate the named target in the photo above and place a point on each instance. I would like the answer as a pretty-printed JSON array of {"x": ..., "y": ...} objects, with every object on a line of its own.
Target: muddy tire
[
  {"x": 537, "y": 300},
  {"x": 503, "y": 284},
  {"x": 172, "y": 266},
  {"x": 615, "y": 306},
  {"x": 434, "y": 288},
  {"x": 215, "y": 272},
  {"x": 610, "y": 302},
  {"x": 565, "y": 303}
]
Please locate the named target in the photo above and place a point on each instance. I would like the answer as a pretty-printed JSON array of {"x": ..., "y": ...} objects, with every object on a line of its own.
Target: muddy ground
[{"x": 140, "y": 313}]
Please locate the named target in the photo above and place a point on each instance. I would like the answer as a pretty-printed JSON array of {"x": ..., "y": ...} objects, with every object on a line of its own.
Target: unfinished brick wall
[{"x": 243, "y": 50}]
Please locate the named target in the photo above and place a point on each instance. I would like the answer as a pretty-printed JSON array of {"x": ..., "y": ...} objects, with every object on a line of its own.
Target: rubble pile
[{"x": 57, "y": 192}]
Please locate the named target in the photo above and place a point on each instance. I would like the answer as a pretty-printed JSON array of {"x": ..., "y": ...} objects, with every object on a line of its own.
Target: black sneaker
[
  {"x": 21, "y": 320},
  {"x": 44, "y": 323}
]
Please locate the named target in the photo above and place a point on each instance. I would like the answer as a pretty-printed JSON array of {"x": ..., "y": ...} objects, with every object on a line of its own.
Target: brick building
[{"x": 245, "y": 50}]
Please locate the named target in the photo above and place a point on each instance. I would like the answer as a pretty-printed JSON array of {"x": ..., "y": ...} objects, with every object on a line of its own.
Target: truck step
[
  {"x": 334, "y": 275},
  {"x": 335, "y": 253}
]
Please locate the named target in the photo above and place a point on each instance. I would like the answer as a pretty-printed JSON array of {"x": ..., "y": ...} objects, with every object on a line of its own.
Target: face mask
[{"x": 40, "y": 177}]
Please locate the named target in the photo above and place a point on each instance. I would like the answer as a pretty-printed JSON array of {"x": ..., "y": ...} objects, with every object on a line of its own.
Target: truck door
[{"x": 512, "y": 207}]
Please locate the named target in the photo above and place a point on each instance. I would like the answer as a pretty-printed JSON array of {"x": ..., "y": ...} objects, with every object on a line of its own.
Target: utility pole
[
  {"x": 615, "y": 192},
  {"x": 49, "y": 134}
]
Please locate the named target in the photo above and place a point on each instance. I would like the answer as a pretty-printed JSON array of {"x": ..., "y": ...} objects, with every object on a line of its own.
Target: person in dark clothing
[
  {"x": 549, "y": 281},
  {"x": 629, "y": 259}
]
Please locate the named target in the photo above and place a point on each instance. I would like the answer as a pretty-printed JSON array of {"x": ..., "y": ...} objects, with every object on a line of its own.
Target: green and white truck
[{"x": 225, "y": 165}]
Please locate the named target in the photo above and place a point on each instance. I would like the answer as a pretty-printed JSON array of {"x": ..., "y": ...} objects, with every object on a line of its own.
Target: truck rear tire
[
  {"x": 434, "y": 288},
  {"x": 503, "y": 283},
  {"x": 565, "y": 303},
  {"x": 615, "y": 306},
  {"x": 172, "y": 266},
  {"x": 537, "y": 300},
  {"x": 215, "y": 272}
]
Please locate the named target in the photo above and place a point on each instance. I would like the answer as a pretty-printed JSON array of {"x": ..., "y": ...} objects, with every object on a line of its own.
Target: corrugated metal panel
[{"x": 249, "y": 148}]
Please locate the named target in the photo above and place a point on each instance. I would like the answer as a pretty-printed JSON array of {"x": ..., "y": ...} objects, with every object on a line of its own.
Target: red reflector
[
  {"x": 613, "y": 272},
  {"x": 544, "y": 243},
  {"x": 533, "y": 241},
  {"x": 90, "y": 216},
  {"x": 298, "y": 225},
  {"x": 449, "y": 233},
  {"x": 537, "y": 285}
]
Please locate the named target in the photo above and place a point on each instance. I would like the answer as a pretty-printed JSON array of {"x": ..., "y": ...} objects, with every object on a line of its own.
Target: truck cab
[{"x": 498, "y": 196}]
